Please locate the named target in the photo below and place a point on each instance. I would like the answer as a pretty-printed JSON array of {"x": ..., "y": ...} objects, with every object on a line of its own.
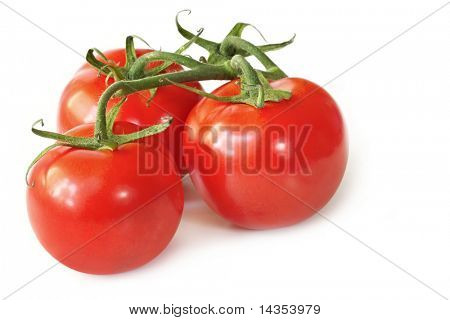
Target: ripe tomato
[
  {"x": 97, "y": 212},
  {"x": 268, "y": 167},
  {"x": 78, "y": 103}
]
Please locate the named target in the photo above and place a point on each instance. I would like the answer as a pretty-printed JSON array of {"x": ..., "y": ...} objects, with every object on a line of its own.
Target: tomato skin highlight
[
  {"x": 94, "y": 212},
  {"x": 215, "y": 133},
  {"x": 78, "y": 103}
]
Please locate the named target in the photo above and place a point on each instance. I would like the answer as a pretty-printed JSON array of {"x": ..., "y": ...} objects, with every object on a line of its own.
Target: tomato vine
[{"x": 226, "y": 61}]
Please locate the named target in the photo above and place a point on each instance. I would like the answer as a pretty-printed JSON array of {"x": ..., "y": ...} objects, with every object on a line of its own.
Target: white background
[{"x": 394, "y": 197}]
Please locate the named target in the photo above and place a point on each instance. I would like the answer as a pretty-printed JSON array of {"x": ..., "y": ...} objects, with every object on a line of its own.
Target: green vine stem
[
  {"x": 237, "y": 67},
  {"x": 109, "y": 67},
  {"x": 255, "y": 88},
  {"x": 231, "y": 44},
  {"x": 166, "y": 64},
  {"x": 137, "y": 70},
  {"x": 201, "y": 72},
  {"x": 213, "y": 48}
]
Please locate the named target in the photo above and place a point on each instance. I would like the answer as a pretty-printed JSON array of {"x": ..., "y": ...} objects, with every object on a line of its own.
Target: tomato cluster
[{"x": 104, "y": 207}]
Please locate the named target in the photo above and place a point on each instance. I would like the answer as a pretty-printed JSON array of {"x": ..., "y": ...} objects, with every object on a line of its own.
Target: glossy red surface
[
  {"x": 278, "y": 193},
  {"x": 96, "y": 213}
]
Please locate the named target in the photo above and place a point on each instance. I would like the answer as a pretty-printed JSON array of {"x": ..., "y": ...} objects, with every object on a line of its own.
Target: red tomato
[
  {"x": 78, "y": 103},
  {"x": 269, "y": 167},
  {"x": 97, "y": 211}
]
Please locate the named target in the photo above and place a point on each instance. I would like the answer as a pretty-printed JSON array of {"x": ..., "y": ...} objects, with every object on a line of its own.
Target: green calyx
[
  {"x": 218, "y": 52},
  {"x": 109, "y": 141},
  {"x": 255, "y": 89},
  {"x": 112, "y": 142}
]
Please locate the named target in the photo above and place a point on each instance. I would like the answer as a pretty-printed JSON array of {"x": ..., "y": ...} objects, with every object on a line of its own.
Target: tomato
[
  {"x": 98, "y": 212},
  {"x": 268, "y": 167},
  {"x": 78, "y": 103}
]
